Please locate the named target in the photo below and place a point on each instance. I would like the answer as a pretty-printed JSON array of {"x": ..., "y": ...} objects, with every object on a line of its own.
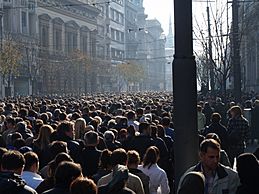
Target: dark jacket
[
  {"x": 144, "y": 178},
  {"x": 221, "y": 131},
  {"x": 90, "y": 160},
  {"x": 58, "y": 189},
  {"x": 140, "y": 143},
  {"x": 11, "y": 183}
]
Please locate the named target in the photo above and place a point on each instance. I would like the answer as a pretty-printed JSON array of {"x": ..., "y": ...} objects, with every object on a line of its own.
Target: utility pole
[
  {"x": 211, "y": 69},
  {"x": 235, "y": 53},
  {"x": 185, "y": 90}
]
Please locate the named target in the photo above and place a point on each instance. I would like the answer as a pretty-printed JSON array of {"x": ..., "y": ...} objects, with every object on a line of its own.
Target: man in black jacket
[{"x": 10, "y": 176}]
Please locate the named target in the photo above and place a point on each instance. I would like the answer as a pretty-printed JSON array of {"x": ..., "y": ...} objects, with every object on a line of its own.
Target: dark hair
[
  {"x": 82, "y": 186},
  {"x": 153, "y": 130},
  {"x": 160, "y": 131},
  {"x": 62, "y": 116},
  {"x": 2, "y": 152},
  {"x": 215, "y": 117},
  {"x": 213, "y": 136},
  {"x": 66, "y": 172},
  {"x": 12, "y": 160},
  {"x": 91, "y": 137},
  {"x": 143, "y": 126},
  {"x": 151, "y": 156},
  {"x": 209, "y": 143},
  {"x": 105, "y": 159},
  {"x": 30, "y": 159},
  {"x": 10, "y": 120},
  {"x": 165, "y": 121},
  {"x": 248, "y": 169},
  {"x": 131, "y": 114},
  {"x": 57, "y": 147},
  {"x": 133, "y": 157},
  {"x": 119, "y": 156}
]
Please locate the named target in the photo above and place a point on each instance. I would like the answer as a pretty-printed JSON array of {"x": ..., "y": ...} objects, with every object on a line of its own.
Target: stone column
[{"x": 51, "y": 36}]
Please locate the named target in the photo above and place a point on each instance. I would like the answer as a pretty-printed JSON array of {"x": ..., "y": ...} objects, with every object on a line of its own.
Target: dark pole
[
  {"x": 185, "y": 90},
  {"x": 235, "y": 54}
]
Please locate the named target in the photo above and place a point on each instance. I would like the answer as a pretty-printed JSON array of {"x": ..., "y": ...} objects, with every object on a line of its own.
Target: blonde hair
[
  {"x": 80, "y": 128},
  {"x": 43, "y": 139}
]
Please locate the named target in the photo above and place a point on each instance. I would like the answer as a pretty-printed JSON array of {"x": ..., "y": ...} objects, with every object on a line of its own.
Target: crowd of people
[{"x": 122, "y": 143}]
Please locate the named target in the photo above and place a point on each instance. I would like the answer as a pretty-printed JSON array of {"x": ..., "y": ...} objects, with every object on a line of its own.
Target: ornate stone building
[
  {"x": 18, "y": 24},
  {"x": 67, "y": 33}
]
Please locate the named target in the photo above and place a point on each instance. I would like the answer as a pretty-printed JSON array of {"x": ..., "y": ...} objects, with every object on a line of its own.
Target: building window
[
  {"x": 44, "y": 38},
  {"x": 24, "y": 19}
]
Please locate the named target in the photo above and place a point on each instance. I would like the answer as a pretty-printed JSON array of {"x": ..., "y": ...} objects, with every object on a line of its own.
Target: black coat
[
  {"x": 221, "y": 131},
  {"x": 11, "y": 183},
  {"x": 90, "y": 160},
  {"x": 140, "y": 143}
]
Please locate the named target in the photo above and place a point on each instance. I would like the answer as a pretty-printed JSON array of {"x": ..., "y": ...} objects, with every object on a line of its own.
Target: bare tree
[
  {"x": 219, "y": 58},
  {"x": 10, "y": 58},
  {"x": 131, "y": 72}
]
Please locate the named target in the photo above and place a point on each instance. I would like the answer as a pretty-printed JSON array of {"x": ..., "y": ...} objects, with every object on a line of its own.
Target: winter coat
[
  {"x": 226, "y": 180},
  {"x": 11, "y": 183}
]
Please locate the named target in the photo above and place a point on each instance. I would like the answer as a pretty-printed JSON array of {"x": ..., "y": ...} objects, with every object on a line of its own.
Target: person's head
[
  {"x": 166, "y": 121},
  {"x": 80, "y": 128},
  {"x": 2, "y": 152},
  {"x": 213, "y": 136},
  {"x": 83, "y": 185},
  {"x": 133, "y": 159},
  {"x": 199, "y": 108},
  {"x": 10, "y": 123},
  {"x": 160, "y": 131},
  {"x": 193, "y": 182},
  {"x": 248, "y": 169},
  {"x": 144, "y": 128},
  {"x": 43, "y": 138},
  {"x": 151, "y": 156},
  {"x": 66, "y": 172},
  {"x": 215, "y": 118},
  {"x": 119, "y": 156},
  {"x": 105, "y": 159},
  {"x": 109, "y": 136},
  {"x": 235, "y": 111},
  {"x": 66, "y": 128},
  {"x": 13, "y": 161},
  {"x": 153, "y": 129},
  {"x": 91, "y": 138},
  {"x": 210, "y": 154},
  {"x": 131, "y": 115},
  {"x": 31, "y": 162},
  {"x": 57, "y": 147}
]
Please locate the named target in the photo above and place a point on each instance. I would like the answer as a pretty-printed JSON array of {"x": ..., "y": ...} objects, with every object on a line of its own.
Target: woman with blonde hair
[
  {"x": 80, "y": 128},
  {"x": 41, "y": 144}
]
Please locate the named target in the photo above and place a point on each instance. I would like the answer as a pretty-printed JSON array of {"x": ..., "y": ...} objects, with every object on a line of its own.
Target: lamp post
[{"x": 185, "y": 90}]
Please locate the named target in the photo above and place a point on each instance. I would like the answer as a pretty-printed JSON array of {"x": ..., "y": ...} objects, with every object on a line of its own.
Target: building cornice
[{"x": 59, "y": 9}]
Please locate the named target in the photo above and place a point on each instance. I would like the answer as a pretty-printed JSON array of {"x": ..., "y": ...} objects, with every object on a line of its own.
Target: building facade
[
  {"x": 67, "y": 46},
  {"x": 18, "y": 25},
  {"x": 249, "y": 45}
]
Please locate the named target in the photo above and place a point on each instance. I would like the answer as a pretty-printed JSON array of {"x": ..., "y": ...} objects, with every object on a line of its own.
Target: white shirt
[
  {"x": 32, "y": 179},
  {"x": 158, "y": 178}
]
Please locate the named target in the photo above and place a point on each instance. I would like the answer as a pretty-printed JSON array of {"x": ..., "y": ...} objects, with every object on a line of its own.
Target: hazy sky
[{"x": 161, "y": 10}]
